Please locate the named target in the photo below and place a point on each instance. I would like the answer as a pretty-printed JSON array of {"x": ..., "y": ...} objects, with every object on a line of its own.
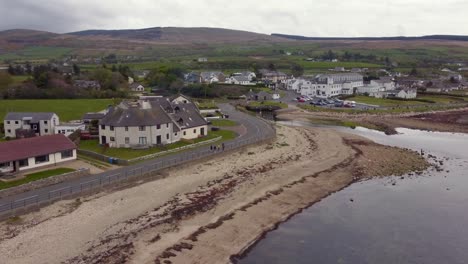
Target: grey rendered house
[
  {"x": 39, "y": 124},
  {"x": 151, "y": 122}
]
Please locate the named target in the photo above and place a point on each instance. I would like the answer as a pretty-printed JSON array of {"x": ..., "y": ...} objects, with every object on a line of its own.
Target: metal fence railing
[{"x": 147, "y": 168}]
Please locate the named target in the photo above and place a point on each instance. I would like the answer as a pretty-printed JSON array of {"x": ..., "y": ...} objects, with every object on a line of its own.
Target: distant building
[
  {"x": 39, "y": 123},
  {"x": 202, "y": 59},
  {"x": 192, "y": 77},
  {"x": 212, "y": 77},
  {"x": 273, "y": 76},
  {"x": 330, "y": 85},
  {"x": 86, "y": 84},
  {"x": 30, "y": 153},
  {"x": 137, "y": 87},
  {"x": 403, "y": 93},
  {"x": 69, "y": 128},
  {"x": 89, "y": 117}
]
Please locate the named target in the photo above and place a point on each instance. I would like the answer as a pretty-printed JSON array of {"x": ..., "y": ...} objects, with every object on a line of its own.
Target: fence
[{"x": 146, "y": 169}]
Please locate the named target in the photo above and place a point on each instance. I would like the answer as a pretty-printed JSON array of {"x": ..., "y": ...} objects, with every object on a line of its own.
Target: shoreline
[
  {"x": 209, "y": 212},
  {"x": 451, "y": 120}
]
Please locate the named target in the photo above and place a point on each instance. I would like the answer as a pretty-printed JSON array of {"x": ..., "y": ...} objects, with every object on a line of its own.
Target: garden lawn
[
  {"x": 223, "y": 122},
  {"x": 268, "y": 103},
  {"x": 66, "y": 109},
  {"x": 126, "y": 154},
  {"x": 34, "y": 177}
]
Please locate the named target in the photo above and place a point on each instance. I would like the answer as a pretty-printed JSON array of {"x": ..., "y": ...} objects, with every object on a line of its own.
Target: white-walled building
[
  {"x": 38, "y": 123},
  {"x": 329, "y": 85},
  {"x": 147, "y": 123},
  {"x": 31, "y": 153},
  {"x": 69, "y": 128}
]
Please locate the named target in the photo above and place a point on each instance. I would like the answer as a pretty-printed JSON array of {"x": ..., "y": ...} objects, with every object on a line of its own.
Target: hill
[
  {"x": 401, "y": 38},
  {"x": 180, "y": 35}
]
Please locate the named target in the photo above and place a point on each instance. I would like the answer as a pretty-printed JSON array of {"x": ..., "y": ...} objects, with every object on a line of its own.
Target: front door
[
  {"x": 202, "y": 132},
  {"x": 158, "y": 140},
  {"x": 103, "y": 140}
]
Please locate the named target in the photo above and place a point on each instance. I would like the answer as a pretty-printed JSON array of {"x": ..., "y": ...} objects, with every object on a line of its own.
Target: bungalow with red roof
[{"x": 30, "y": 153}]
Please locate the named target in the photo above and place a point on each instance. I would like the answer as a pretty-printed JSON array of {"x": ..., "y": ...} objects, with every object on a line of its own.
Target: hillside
[{"x": 180, "y": 35}]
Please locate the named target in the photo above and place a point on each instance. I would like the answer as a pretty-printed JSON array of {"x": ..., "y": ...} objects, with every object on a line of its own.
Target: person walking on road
[{"x": 223, "y": 146}]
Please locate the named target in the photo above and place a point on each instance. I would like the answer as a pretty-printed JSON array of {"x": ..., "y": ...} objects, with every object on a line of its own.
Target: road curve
[{"x": 256, "y": 130}]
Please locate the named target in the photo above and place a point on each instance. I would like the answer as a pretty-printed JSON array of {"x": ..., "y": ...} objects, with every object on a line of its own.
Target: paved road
[{"x": 257, "y": 130}]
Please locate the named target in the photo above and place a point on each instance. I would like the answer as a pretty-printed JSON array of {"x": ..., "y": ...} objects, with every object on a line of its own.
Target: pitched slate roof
[
  {"x": 187, "y": 116},
  {"x": 35, "y": 117},
  {"x": 135, "y": 116},
  {"x": 32, "y": 147},
  {"x": 93, "y": 116}
]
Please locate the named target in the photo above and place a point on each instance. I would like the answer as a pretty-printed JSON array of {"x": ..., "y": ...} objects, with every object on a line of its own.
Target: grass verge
[
  {"x": 126, "y": 154},
  {"x": 35, "y": 176},
  {"x": 223, "y": 123}
]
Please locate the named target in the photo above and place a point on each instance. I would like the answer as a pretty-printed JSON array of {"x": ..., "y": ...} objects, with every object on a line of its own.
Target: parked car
[{"x": 301, "y": 100}]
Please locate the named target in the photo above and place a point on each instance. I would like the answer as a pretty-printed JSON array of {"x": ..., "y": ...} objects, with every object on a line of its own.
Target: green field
[
  {"x": 20, "y": 78},
  {"x": 34, "y": 177},
  {"x": 39, "y": 52},
  {"x": 126, "y": 154},
  {"x": 66, "y": 109}
]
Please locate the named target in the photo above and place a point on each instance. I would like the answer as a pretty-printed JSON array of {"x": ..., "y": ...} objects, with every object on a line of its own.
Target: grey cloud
[{"x": 303, "y": 17}]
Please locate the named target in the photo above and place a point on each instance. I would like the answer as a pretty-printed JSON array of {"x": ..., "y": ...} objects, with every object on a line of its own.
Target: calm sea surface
[{"x": 421, "y": 219}]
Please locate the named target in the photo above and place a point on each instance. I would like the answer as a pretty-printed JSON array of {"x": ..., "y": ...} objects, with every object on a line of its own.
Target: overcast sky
[{"x": 321, "y": 18}]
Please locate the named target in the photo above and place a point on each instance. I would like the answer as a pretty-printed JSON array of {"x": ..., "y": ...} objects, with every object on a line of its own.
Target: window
[
  {"x": 8, "y": 122},
  {"x": 167, "y": 136},
  {"x": 167, "y": 125},
  {"x": 158, "y": 126},
  {"x": 142, "y": 128},
  {"x": 111, "y": 128},
  {"x": 194, "y": 131},
  {"x": 45, "y": 122},
  {"x": 103, "y": 127},
  {"x": 16, "y": 122},
  {"x": 127, "y": 140},
  {"x": 9, "y": 130},
  {"x": 24, "y": 163},
  {"x": 46, "y": 130},
  {"x": 185, "y": 133},
  {"x": 67, "y": 154},
  {"x": 142, "y": 140},
  {"x": 112, "y": 139},
  {"x": 41, "y": 159},
  {"x": 5, "y": 165},
  {"x": 175, "y": 134},
  {"x": 126, "y": 128}
]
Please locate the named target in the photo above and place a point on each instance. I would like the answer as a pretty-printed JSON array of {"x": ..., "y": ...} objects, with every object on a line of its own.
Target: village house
[
  {"x": 273, "y": 76},
  {"x": 406, "y": 93},
  {"x": 137, "y": 87},
  {"x": 38, "y": 124},
  {"x": 85, "y": 84},
  {"x": 202, "y": 59},
  {"x": 192, "y": 77},
  {"x": 31, "y": 153},
  {"x": 212, "y": 77},
  {"x": 147, "y": 123}
]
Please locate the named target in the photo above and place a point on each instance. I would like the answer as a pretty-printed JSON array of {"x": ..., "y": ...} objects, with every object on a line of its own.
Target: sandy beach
[{"x": 203, "y": 213}]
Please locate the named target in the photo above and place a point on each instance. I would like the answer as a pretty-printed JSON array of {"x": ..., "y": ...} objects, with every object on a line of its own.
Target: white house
[
  {"x": 30, "y": 153},
  {"x": 376, "y": 88},
  {"x": 137, "y": 87},
  {"x": 69, "y": 128},
  {"x": 403, "y": 93},
  {"x": 39, "y": 124},
  {"x": 212, "y": 77},
  {"x": 239, "y": 80}
]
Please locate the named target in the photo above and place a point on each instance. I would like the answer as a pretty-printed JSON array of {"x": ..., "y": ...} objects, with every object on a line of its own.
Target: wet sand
[{"x": 203, "y": 213}]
